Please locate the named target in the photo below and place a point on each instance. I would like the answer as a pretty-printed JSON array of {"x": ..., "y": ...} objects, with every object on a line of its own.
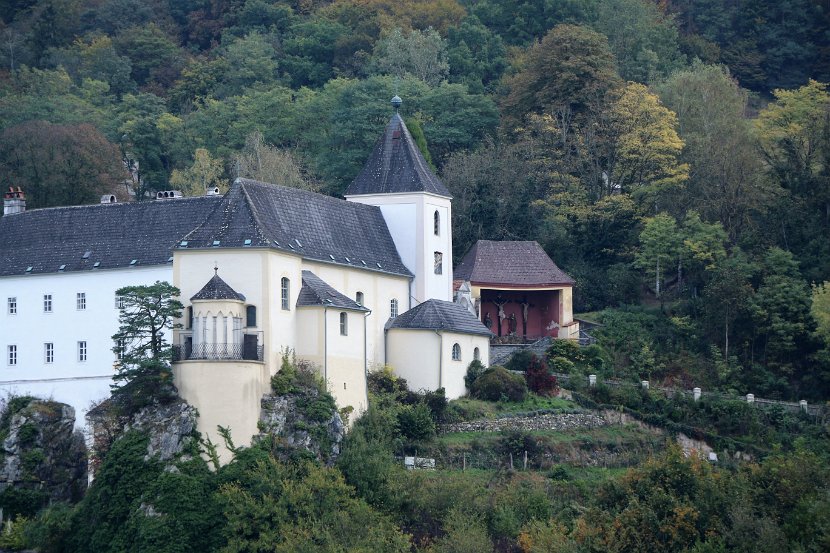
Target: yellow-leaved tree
[
  {"x": 205, "y": 173},
  {"x": 644, "y": 160}
]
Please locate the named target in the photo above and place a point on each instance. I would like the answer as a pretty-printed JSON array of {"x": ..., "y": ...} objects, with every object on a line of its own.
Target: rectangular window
[
  {"x": 81, "y": 301},
  {"x": 119, "y": 302},
  {"x": 47, "y": 303},
  {"x": 393, "y": 308},
  {"x": 439, "y": 263},
  {"x": 285, "y": 292},
  {"x": 48, "y": 352},
  {"x": 82, "y": 351},
  {"x": 12, "y": 303},
  {"x": 121, "y": 344},
  {"x": 344, "y": 324},
  {"x": 12, "y": 357}
]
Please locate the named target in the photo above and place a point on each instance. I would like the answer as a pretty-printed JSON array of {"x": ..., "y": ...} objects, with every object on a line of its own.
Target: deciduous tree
[{"x": 59, "y": 164}]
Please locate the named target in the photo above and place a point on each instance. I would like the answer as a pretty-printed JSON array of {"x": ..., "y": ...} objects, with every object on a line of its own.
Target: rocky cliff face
[
  {"x": 304, "y": 422},
  {"x": 41, "y": 451},
  {"x": 171, "y": 426}
]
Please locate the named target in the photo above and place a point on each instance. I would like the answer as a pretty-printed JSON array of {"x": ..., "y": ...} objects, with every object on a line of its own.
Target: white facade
[
  {"x": 411, "y": 219},
  {"x": 66, "y": 377},
  {"x": 425, "y": 358}
]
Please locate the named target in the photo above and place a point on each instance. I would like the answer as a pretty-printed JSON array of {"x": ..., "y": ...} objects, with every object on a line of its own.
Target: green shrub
[
  {"x": 415, "y": 422},
  {"x": 520, "y": 360},
  {"x": 561, "y": 365},
  {"x": 12, "y": 535},
  {"x": 474, "y": 370},
  {"x": 497, "y": 383},
  {"x": 565, "y": 348}
]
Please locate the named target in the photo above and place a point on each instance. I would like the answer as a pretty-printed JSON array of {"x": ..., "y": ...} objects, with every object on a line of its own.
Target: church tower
[{"x": 415, "y": 205}]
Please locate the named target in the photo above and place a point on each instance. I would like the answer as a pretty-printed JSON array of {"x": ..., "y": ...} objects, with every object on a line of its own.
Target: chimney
[{"x": 14, "y": 201}]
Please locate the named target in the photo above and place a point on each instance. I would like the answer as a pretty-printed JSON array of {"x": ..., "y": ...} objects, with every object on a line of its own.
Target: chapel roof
[
  {"x": 396, "y": 165},
  {"x": 98, "y": 236},
  {"x": 510, "y": 263},
  {"x": 217, "y": 289},
  {"x": 439, "y": 315},
  {"x": 314, "y": 226},
  {"x": 316, "y": 292}
]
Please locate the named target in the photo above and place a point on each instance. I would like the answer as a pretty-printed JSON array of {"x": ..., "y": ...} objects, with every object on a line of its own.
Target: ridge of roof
[
  {"x": 434, "y": 314},
  {"x": 506, "y": 262},
  {"x": 316, "y": 292},
  {"x": 396, "y": 165}
]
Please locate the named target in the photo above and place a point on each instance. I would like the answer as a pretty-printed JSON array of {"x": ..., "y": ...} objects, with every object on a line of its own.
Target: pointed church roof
[
  {"x": 316, "y": 292},
  {"x": 396, "y": 165},
  {"x": 439, "y": 315},
  {"x": 511, "y": 263},
  {"x": 260, "y": 215},
  {"x": 217, "y": 289}
]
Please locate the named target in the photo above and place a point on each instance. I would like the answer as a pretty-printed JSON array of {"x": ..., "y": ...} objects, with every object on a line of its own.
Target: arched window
[
  {"x": 344, "y": 324},
  {"x": 393, "y": 308},
  {"x": 456, "y": 352},
  {"x": 436, "y": 223},
  {"x": 476, "y": 354},
  {"x": 285, "y": 293},
  {"x": 250, "y": 315},
  {"x": 359, "y": 298}
]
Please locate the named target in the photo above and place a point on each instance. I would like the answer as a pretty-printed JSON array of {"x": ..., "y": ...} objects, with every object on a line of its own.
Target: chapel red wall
[{"x": 545, "y": 308}]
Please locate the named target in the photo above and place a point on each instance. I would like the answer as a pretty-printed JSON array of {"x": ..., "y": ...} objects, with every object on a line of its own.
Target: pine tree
[{"x": 145, "y": 313}]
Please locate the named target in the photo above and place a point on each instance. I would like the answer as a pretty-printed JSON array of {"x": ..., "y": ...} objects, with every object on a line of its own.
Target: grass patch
[{"x": 467, "y": 409}]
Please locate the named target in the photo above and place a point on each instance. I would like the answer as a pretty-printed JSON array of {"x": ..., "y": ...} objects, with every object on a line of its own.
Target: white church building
[{"x": 346, "y": 284}]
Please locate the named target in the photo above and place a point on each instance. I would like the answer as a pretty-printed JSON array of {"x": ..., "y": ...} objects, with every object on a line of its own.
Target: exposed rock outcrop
[
  {"x": 548, "y": 421},
  {"x": 170, "y": 425},
  {"x": 41, "y": 451},
  {"x": 297, "y": 424}
]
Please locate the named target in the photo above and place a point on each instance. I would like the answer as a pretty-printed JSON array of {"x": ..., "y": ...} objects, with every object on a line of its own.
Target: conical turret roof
[
  {"x": 217, "y": 289},
  {"x": 396, "y": 165}
]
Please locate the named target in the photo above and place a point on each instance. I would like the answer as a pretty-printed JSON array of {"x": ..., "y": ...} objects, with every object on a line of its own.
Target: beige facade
[
  {"x": 226, "y": 393},
  {"x": 313, "y": 333},
  {"x": 415, "y": 355},
  {"x": 341, "y": 357}
]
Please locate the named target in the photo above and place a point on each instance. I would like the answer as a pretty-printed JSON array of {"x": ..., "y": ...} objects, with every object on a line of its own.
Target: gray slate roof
[
  {"x": 439, "y": 315},
  {"x": 217, "y": 289},
  {"x": 396, "y": 165},
  {"x": 311, "y": 225},
  {"x": 510, "y": 263},
  {"x": 113, "y": 234},
  {"x": 315, "y": 292}
]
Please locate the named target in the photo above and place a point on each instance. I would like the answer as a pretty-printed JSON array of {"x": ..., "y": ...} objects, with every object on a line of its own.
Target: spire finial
[
  {"x": 215, "y": 269},
  {"x": 396, "y": 102}
]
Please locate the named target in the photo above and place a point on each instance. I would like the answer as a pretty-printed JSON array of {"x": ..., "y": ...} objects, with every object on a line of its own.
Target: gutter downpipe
[
  {"x": 366, "y": 354},
  {"x": 326, "y": 345},
  {"x": 440, "y": 358}
]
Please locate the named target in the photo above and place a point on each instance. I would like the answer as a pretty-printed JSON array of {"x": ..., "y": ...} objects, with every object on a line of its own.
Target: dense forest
[{"x": 672, "y": 156}]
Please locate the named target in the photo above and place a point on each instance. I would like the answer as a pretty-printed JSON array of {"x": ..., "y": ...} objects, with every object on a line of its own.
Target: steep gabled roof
[
  {"x": 396, "y": 165},
  {"x": 316, "y": 292},
  {"x": 439, "y": 315},
  {"x": 217, "y": 289},
  {"x": 311, "y": 225},
  {"x": 510, "y": 263},
  {"x": 113, "y": 234}
]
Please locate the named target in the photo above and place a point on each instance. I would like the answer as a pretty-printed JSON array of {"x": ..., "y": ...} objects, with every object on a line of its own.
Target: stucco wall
[
  {"x": 378, "y": 291},
  {"x": 424, "y": 358},
  {"x": 225, "y": 393},
  {"x": 409, "y": 218},
  {"x": 415, "y": 355},
  {"x": 453, "y": 372},
  {"x": 255, "y": 273},
  {"x": 68, "y": 380}
]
